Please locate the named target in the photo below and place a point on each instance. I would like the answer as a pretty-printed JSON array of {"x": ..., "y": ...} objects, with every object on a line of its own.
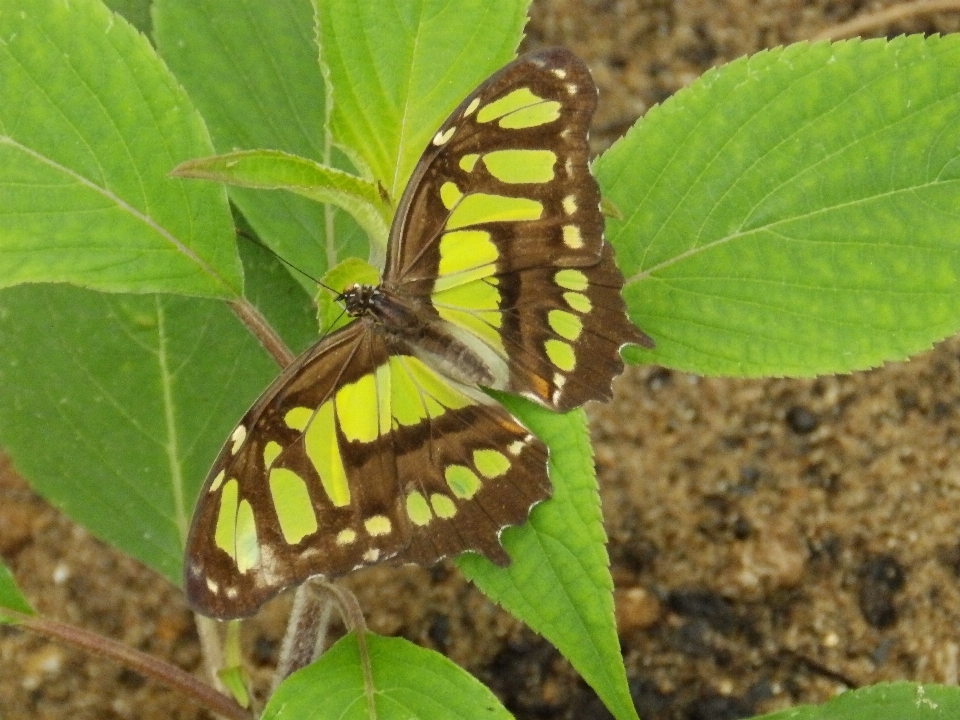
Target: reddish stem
[
  {"x": 169, "y": 675},
  {"x": 886, "y": 16}
]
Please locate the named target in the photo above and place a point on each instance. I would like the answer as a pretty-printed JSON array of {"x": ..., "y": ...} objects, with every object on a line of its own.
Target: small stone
[
  {"x": 61, "y": 573},
  {"x": 880, "y": 578},
  {"x": 636, "y": 609},
  {"x": 801, "y": 420},
  {"x": 704, "y": 605},
  {"x": 769, "y": 559}
]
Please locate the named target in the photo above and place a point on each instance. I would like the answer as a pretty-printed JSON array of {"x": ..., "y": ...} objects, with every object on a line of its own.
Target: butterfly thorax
[
  {"x": 385, "y": 309},
  {"x": 410, "y": 327}
]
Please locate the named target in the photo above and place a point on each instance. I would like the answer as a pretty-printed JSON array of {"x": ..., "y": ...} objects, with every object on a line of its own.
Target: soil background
[{"x": 772, "y": 542}]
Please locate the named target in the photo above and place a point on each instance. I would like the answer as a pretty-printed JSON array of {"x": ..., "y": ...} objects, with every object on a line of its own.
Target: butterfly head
[{"x": 360, "y": 299}]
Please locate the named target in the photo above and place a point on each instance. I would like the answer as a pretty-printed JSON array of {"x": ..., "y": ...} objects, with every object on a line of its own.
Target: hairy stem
[
  {"x": 170, "y": 675},
  {"x": 262, "y": 331},
  {"x": 306, "y": 632},
  {"x": 871, "y": 21}
]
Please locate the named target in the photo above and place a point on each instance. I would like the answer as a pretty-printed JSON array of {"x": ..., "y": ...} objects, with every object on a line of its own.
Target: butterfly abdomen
[{"x": 410, "y": 326}]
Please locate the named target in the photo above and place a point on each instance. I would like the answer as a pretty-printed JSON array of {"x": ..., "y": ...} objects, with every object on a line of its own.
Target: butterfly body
[
  {"x": 408, "y": 328},
  {"x": 379, "y": 443}
]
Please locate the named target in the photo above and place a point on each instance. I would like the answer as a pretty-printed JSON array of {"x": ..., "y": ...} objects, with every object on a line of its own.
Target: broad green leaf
[
  {"x": 408, "y": 682},
  {"x": 91, "y": 122},
  {"x": 275, "y": 170},
  {"x": 252, "y": 69},
  {"x": 397, "y": 69},
  {"x": 887, "y": 701},
  {"x": 795, "y": 212},
  {"x": 558, "y": 581},
  {"x": 10, "y": 596},
  {"x": 114, "y": 406}
]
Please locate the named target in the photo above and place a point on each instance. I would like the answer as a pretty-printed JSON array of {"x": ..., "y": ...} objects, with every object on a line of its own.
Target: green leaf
[
  {"x": 887, "y": 701},
  {"x": 408, "y": 682},
  {"x": 558, "y": 581},
  {"x": 795, "y": 212},
  {"x": 252, "y": 69},
  {"x": 114, "y": 406},
  {"x": 10, "y": 596},
  {"x": 396, "y": 70},
  {"x": 275, "y": 170},
  {"x": 90, "y": 124}
]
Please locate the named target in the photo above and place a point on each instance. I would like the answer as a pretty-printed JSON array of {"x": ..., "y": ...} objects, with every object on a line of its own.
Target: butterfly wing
[
  {"x": 356, "y": 454},
  {"x": 500, "y": 233}
]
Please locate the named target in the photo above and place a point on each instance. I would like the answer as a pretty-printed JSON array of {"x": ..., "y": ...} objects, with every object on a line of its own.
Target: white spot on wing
[
  {"x": 558, "y": 382},
  {"x": 371, "y": 555},
  {"x": 560, "y": 73},
  {"x": 212, "y": 586},
  {"x": 232, "y": 593},
  {"x": 571, "y": 89},
  {"x": 239, "y": 435},
  {"x": 268, "y": 567},
  {"x": 345, "y": 537},
  {"x": 443, "y": 136}
]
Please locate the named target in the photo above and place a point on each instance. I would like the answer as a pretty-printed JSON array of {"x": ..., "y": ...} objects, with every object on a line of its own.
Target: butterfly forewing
[
  {"x": 502, "y": 232},
  {"x": 505, "y": 177}
]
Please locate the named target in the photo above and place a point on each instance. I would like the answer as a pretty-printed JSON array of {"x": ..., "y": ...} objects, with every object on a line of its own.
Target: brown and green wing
[
  {"x": 355, "y": 455},
  {"x": 500, "y": 231},
  {"x": 563, "y": 329},
  {"x": 504, "y": 180}
]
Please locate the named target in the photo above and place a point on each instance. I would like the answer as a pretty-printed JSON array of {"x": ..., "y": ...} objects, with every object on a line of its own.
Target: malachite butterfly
[{"x": 377, "y": 444}]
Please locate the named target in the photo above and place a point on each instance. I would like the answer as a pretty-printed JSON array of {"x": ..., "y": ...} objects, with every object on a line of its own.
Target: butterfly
[{"x": 378, "y": 444}]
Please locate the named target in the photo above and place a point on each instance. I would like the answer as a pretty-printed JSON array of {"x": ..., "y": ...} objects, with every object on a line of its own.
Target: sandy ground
[{"x": 772, "y": 542}]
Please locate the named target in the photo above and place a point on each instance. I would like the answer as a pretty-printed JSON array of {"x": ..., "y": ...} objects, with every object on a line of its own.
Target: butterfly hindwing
[
  {"x": 480, "y": 471},
  {"x": 357, "y": 454}
]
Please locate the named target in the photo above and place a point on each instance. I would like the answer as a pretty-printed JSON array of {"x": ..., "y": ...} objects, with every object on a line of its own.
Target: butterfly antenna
[{"x": 259, "y": 243}]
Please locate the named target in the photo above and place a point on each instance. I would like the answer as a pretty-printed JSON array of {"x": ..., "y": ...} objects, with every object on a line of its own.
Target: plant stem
[
  {"x": 352, "y": 615},
  {"x": 169, "y": 675},
  {"x": 306, "y": 632},
  {"x": 261, "y": 329},
  {"x": 886, "y": 16}
]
